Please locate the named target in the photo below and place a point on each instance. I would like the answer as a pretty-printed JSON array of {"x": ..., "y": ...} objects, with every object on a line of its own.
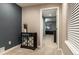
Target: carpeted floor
[{"x": 49, "y": 48}]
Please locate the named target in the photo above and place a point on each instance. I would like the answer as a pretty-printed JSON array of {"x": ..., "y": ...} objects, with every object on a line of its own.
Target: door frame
[{"x": 41, "y": 25}]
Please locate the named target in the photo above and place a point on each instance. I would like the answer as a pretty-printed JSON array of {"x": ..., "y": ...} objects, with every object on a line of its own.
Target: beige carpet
[{"x": 49, "y": 48}]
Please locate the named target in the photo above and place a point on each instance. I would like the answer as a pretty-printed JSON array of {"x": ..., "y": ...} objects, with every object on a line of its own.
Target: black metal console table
[{"x": 29, "y": 40}]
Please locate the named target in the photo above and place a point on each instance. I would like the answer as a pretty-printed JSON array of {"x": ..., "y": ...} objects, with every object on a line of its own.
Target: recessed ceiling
[
  {"x": 49, "y": 13},
  {"x": 27, "y": 4}
]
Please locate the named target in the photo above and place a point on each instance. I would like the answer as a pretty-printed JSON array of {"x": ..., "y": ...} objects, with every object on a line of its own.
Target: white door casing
[{"x": 57, "y": 25}]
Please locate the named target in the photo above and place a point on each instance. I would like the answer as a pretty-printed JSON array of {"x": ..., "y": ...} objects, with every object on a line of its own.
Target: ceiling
[
  {"x": 49, "y": 13},
  {"x": 46, "y": 13},
  {"x": 27, "y": 4}
]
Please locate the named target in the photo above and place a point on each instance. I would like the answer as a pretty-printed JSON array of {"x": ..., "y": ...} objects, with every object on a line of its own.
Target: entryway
[{"x": 49, "y": 27}]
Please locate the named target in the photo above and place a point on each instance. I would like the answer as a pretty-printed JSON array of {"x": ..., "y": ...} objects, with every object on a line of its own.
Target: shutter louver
[{"x": 73, "y": 26}]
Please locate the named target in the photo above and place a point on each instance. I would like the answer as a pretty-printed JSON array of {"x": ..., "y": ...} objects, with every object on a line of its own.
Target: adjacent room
[{"x": 49, "y": 28}]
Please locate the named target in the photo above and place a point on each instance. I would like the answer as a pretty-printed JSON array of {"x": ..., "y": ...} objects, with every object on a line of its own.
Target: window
[{"x": 73, "y": 28}]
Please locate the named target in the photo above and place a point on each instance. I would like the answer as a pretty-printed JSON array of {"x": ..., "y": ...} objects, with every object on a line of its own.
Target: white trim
[
  {"x": 41, "y": 25},
  {"x": 9, "y": 49},
  {"x": 41, "y": 29},
  {"x": 71, "y": 48},
  {"x": 61, "y": 51},
  {"x": 57, "y": 24}
]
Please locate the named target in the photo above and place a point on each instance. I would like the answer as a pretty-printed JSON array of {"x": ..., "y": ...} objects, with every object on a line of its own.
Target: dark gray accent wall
[{"x": 10, "y": 24}]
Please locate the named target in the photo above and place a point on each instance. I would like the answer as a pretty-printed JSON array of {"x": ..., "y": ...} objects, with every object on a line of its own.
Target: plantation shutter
[{"x": 73, "y": 27}]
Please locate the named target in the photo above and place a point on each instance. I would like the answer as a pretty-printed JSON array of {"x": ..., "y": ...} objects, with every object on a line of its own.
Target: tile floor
[{"x": 49, "y": 48}]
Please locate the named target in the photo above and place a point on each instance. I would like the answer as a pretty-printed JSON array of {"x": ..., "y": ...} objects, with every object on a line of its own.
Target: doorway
[{"x": 49, "y": 25}]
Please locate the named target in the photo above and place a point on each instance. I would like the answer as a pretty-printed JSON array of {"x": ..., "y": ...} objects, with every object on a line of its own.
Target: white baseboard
[
  {"x": 9, "y": 49},
  {"x": 38, "y": 46},
  {"x": 61, "y": 51}
]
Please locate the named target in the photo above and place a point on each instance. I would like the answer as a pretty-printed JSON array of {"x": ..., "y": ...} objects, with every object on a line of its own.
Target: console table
[{"x": 29, "y": 40}]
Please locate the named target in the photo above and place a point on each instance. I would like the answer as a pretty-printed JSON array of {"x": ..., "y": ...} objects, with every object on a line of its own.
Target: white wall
[
  {"x": 65, "y": 49},
  {"x": 31, "y": 16}
]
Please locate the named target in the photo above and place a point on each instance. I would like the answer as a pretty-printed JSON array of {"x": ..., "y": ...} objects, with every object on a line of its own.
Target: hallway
[
  {"x": 48, "y": 42},
  {"x": 49, "y": 48}
]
